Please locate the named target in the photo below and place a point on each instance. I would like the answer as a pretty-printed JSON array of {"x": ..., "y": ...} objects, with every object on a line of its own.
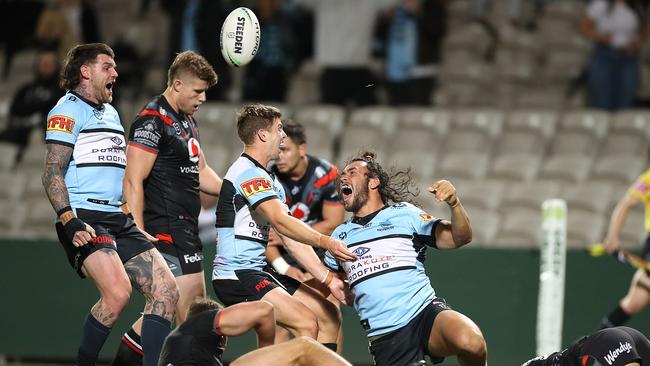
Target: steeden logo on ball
[{"x": 240, "y": 37}]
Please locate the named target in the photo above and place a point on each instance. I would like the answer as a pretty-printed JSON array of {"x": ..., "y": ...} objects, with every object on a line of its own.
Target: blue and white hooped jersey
[
  {"x": 388, "y": 278},
  {"x": 242, "y": 233},
  {"x": 94, "y": 174}
]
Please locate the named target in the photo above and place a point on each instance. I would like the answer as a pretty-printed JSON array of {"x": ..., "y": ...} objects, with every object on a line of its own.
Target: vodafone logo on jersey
[{"x": 194, "y": 149}]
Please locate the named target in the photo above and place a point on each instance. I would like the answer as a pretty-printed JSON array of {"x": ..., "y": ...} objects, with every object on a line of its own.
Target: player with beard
[
  {"x": 401, "y": 313},
  {"x": 251, "y": 200},
  {"x": 83, "y": 173},
  {"x": 311, "y": 196},
  {"x": 618, "y": 346},
  {"x": 166, "y": 171}
]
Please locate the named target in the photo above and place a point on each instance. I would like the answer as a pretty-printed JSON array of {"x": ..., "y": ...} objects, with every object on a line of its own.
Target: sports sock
[
  {"x": 93, "y": 336},
  {"x": 129, "y": 352},
  {"x": 331, "y": 346},
  {"x": 154, "y": 330},
  {"x": 617, "y": 317}
]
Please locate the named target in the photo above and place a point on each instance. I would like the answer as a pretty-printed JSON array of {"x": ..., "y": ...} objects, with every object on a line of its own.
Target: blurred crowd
[{"x": 350, "y": 53}]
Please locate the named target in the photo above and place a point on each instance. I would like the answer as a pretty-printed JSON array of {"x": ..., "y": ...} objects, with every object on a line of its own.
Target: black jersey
[
  {"x": 306, "y": 196},
  {"x": 611, "y": 346},
  {"x": 195, "y": 342},
  {"x": 171, "y": 191}
]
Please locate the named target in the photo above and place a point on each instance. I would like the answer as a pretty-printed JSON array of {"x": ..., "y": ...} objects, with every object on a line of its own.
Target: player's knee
[
  {"x": 471, "y": 341},
  {"x": 167, "y": 292},
  {"x": 117, "y": 297},
  {"x": 306, "y": 344}
]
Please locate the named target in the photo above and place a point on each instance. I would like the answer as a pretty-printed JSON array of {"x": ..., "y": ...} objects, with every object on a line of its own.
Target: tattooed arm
[{"x": 57, "y": 158}]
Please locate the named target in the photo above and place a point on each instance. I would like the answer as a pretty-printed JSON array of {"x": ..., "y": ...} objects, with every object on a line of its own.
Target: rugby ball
[{"x": 240, "y": 37}]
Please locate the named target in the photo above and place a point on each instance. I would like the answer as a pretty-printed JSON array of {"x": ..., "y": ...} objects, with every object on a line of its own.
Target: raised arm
[
  {"x": 617, "y": 221},
  {"x": 457, "y": 232}
]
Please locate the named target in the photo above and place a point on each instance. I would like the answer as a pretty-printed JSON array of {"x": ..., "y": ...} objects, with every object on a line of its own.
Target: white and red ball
[{"x": 240, "y": 37}]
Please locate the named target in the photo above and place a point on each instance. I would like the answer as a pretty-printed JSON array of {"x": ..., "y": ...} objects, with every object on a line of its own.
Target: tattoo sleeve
[{"x": 56, "y": 160}]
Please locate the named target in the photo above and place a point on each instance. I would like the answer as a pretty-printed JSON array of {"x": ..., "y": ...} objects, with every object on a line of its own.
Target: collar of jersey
[
  {"x": 162, "y": 101},
  {"x": 92, "y": 104},
  {"x": 366, "y": 219},
  {"x": 255, "y": 162}
]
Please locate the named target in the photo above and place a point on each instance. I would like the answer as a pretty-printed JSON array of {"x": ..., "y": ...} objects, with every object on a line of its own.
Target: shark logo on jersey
[
  {"x": 117, "y": 140},
  {"x": 360, "y": 251},
  {"x": 255, "y": 185},
  {"x": 343, "y": 235},
  {"x": 98, "y": 113}
]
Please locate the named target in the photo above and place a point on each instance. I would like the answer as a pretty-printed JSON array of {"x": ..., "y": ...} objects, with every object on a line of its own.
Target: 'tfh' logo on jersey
[
  {"x": 425, "y": 217},
  {"x": 255, "y": 185},
  {"x": 60, "y": 123},
  {"x": 613, "y": 354},
  {"x": 194, "y": 149}
]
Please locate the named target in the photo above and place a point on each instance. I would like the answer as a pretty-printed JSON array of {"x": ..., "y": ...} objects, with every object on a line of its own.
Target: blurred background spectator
[
  {"x": 66, "y": 23},
  {"x": 617, "y": 28},
  {"x": 411, "y": 37},
  {"x": 266, "y": 78},
  {"x": 33, "y": 101}
]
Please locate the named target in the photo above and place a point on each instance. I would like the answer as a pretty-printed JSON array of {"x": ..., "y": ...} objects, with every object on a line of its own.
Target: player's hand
[
  {"x": 337, "y": 248},
  {"x": 80, "y": 232},
  {"x": 296, "y": 274},
  {"x": 274, "y": 238},
  {"x": 443, "y": 190},
  {"x": 612, "y": 244},
  {"x": 341, "y": 290},
  {"x": 149, "y": 237}
]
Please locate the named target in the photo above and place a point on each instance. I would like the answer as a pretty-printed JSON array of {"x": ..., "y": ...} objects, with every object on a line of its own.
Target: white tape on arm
[{"x": 280, "y": 265}]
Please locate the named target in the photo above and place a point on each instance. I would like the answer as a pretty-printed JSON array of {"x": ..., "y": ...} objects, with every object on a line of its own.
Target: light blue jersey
[
  {"x": 388, "y": 278},
  {"x": 94, "y": 175},
  {"x": 242, "y": 233}
]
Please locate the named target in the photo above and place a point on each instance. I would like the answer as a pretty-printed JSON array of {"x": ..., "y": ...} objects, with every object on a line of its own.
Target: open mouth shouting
[
  {"x": 109, "y": 87},
  {"x": 346, "y": 192}
]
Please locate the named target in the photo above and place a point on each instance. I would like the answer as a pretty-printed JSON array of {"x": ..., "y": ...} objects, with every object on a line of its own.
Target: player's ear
[
  {"x": 302, "y": 148},
  {"x": 84, "y": 70},
  {"x": 373, "y": 183},
  {"x": 262, "y": 134},
  {"x": 177, "y": 84}
]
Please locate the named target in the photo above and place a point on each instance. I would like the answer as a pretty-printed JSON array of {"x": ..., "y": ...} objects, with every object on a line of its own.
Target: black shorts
[
  {"x": 251, "y": 285},
  {"x": 615, "y": 346},
  {"x": 111, "y": 229},
  {"x": 181, "y": 248},
  {"x": 409, "y": 344}
]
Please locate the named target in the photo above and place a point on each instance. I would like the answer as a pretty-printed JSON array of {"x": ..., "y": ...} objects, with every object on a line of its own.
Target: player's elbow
[{"x": 463, "y": 238}]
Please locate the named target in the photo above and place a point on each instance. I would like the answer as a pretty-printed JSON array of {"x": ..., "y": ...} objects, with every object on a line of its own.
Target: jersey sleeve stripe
[
  {"x": 50, "y": 141},
  {"x": 141, "y": 147},
  {"x": 329, "y": 177},
  {"x": 254, "y": 206},
  {"x": 149, "y": 112}
]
